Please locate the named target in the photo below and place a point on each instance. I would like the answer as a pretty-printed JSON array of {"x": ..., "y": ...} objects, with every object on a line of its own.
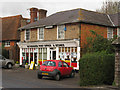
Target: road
[{"x": 25, "y": 78}]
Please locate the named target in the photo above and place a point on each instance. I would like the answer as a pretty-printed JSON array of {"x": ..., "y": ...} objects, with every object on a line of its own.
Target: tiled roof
[
  {"x": 115, "y": 19},
  {"x": 70, "y": 16},
  {"x": 10, "y": 26}
]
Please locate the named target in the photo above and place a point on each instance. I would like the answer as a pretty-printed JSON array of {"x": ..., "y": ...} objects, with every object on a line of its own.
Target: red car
[{"x": 56, "y": 69}]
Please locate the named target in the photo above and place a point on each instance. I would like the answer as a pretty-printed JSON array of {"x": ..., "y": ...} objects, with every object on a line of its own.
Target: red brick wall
[{"x": 85, "y": 32}]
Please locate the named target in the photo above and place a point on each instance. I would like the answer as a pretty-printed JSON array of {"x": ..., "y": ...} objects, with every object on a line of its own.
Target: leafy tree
[
  {"x": 98, "y": 43},
  {"x": 110, "y": 7}
]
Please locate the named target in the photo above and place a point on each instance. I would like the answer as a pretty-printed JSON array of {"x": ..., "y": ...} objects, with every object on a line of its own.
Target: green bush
[{"x": 97, "y": 69}]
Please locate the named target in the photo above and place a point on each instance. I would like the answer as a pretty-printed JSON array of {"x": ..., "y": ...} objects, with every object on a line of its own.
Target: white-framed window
[
  {"x": 60, "y": 32},
  {"x": 27, "y": 34},
  {"x": 7, "y": 44},
  {"x": 40, "y": 33},
  {"x": 109, "y": 33},
  {"x": 118, "y": 32}
]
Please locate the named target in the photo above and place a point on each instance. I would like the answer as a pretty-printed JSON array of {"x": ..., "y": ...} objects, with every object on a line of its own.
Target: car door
[
  {"x": 66, "y": 68},
  {"x": 61, "y": 68}
]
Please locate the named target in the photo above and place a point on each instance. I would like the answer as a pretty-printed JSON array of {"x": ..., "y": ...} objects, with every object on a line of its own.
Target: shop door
[
  {"x": 35, "y": 58},
  {"x": 52, "y": 55}
]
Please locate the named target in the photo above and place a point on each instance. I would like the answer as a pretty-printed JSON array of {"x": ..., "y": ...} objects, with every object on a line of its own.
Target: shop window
[
  {"x": 74, "y": 55},
  {"x": 45, "y": 54},
  {"x": 40, "y": 33},
  {"x": 109, "y": 33},
  {"x": 31, "y": 57},
  {"x": 27, "y": 57},
  {"x": 40, "y": 54},
  {"x": 7, "y": 44},
  {"x": 61, "y": 33},
  {"x": 27, "y": 34}
]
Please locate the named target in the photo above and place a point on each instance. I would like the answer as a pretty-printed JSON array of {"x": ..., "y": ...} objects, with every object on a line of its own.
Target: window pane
[
  {"x": 27, "y": 34},
  {"x": 7, "y": 44},
  {"x": 60, "y": 64},
  {"x": 61, "y": 31},
  {"x": 45, "y": 54},
  {"x": 41, "y": 33},
  {"x": 110, "y": 33}
]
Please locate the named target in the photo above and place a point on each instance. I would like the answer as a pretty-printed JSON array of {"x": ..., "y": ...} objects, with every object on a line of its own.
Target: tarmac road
[
  {"x": 25, "y": 78},
  {"x": 21, "y": 78}
]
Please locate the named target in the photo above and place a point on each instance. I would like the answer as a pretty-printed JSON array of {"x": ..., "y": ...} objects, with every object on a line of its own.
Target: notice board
[{"x": 32, "y": 65}]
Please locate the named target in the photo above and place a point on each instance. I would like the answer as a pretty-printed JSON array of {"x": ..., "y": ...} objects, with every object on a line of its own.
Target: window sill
[{"x": 7, "y": 46}]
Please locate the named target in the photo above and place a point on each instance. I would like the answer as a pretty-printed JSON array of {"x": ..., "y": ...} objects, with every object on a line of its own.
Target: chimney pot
[
  {"x": 33, "y": 14},
  {"x": 42, "y": 13}
]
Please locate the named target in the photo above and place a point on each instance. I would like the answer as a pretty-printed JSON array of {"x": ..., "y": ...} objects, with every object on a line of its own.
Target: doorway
[{"x": 52, "y": 55}]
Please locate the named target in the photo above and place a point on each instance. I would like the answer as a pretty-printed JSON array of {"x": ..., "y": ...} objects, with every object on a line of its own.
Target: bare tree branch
[{"x": 110, "y": 7}]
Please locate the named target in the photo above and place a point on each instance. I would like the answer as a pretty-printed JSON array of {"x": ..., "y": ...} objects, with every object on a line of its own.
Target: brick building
[
  {"x": 10, "y": 35},
  {"x": 61, "y": 36}
]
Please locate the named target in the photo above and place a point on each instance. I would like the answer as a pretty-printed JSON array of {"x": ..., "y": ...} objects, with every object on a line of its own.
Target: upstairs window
[
  {"x": 118, "y": 32},
  {"x": 109, "y": 33},
  {"x": 27, "y": 34},
  {"x": 7, "y": 44},
  {"x": 40, "y": 33},
  {"x": 61, "y": 33}
]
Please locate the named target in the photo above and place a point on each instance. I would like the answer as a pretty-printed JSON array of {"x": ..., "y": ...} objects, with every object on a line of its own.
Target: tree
[
  {"x": 110, "y": 7},
  {"x": 98, "y": 43}
]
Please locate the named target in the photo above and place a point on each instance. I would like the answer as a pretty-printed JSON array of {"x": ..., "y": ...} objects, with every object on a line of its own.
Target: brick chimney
[
  {"x": 42, "y": 13},
  {"x": 33, "y": 14}
]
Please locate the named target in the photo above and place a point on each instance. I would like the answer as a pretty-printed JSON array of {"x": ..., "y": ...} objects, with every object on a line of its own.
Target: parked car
[
  {"x": 55, "y": 69},
  {"x": 6, "y": 62}
]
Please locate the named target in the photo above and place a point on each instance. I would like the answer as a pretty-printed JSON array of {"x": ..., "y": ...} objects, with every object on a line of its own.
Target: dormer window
[
  {"x": 40, "y": 33},
  {"x": 27, "y": 34}
]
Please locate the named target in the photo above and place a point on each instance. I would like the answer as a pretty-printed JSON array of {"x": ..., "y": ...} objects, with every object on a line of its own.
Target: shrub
[
  {"x": 98, "y": 43},
  {"x": 17, "y": 62},
  {"x": 97, "y": 68}
]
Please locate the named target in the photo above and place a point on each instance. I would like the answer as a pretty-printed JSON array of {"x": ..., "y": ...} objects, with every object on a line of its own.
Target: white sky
[{"x": 17, "y": 7}]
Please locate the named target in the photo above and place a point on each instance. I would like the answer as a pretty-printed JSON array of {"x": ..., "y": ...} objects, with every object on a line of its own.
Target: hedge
[{"x": 97, "y": 69}]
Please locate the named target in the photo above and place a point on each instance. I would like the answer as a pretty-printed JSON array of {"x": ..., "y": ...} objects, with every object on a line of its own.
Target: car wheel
[
  {"x": 57, "y": 77},
  {"x": 72, "y": 74},
  {"x": 40, "y": 76},
  {"x": 9, "y": 65}
]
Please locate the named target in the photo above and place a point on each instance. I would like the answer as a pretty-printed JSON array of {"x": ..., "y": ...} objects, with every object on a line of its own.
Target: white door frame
[{"x": 51, "y": 54}]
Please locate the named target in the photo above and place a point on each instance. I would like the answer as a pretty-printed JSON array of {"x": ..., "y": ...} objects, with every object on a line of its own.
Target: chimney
[
  {"x": 33, "y": 14},
  {"x": 42, "y": 13}
]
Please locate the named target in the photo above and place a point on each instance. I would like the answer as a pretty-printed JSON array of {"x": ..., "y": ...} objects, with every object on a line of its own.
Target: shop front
[{"x": 38, "y": 52}]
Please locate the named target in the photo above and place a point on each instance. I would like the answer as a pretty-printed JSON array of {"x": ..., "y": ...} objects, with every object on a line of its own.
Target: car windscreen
[{"x": 49, "y": 63}]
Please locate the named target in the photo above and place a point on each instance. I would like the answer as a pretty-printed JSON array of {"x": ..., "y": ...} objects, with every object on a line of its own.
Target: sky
[{"x": 21, "y": 7}]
